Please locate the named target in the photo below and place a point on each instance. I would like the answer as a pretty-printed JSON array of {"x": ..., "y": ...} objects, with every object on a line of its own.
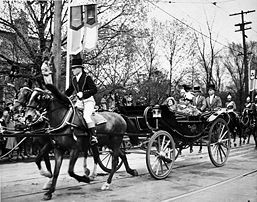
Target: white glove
[{"x": 80, "y": 95}]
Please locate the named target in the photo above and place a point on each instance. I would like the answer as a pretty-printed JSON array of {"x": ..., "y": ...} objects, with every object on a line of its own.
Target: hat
[
  {"x": 211, "y": 87},
  {"x": 197, "y": 89},
  {"x": 76, "y": 63}
]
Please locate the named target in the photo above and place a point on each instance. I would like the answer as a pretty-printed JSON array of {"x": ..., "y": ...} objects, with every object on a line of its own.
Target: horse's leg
[
  {"x": 191, "y": 148},
  {"x": 95, "y": 153},
  {"x": 44, "y": 153},
  {"x": 201, "y": 146},
  {"x": 115, "y": 161},
  {"x": 86, "y": 170},
  {"x": 123, "y": 156},
  {"x": 74, "y": 153},
  {"x": 255, "y": 137},
  {"x": 58, "y": 154}
]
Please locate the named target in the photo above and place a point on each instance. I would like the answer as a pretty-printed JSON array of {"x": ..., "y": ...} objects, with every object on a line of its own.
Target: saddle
[{"x": 96, "y": 117}]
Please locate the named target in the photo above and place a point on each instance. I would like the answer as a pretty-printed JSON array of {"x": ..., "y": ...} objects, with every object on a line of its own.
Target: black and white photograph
[{"x": 128, "y": 100}]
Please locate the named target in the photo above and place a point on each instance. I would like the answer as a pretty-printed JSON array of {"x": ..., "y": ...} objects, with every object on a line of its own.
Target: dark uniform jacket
[{"x": 85, "y": 85}]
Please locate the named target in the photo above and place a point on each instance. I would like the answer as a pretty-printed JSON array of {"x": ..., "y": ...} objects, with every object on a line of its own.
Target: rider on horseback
[
  {"x": 230, "y": 104},
  {"x": 85, "y": 88}
]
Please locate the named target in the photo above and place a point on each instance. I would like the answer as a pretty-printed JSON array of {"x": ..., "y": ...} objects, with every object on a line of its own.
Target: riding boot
[{"x": 92, "y": 134}]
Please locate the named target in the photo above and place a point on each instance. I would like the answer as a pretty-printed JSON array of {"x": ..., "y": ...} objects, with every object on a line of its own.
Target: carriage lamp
[{"x": 157, "y": 112}]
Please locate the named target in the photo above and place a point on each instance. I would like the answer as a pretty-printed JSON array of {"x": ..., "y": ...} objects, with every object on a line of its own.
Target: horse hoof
[
  {"x": 45, "y": 173},
  {"x": 135, "y": 173},
  {"x": 92, "y": 177},
  {"x": 191, "y": 150},
  {"x": 106, "y": 186},
  {"x": 85, "y": 179},
  {"x": 235, "y": 144},
  {"x": 200, "y": 151},
  {"x": 47, "y": 197}
]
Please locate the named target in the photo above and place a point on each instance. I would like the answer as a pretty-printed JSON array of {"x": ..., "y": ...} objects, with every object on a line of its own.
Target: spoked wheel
[
  {"x": 160, "y": 155},
  {"x": 219, "y": 142},
  {"x": 105, "y": 160}
]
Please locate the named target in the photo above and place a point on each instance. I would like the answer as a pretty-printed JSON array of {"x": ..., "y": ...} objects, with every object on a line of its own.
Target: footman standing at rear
[{"x": 85, "y": 88}]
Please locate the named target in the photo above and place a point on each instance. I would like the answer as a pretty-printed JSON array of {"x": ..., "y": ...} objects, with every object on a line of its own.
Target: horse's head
[
  {"x": 22, "y": 97},
  {"x": 38, "y": 102},
  {"x": 53, "y": 103}
]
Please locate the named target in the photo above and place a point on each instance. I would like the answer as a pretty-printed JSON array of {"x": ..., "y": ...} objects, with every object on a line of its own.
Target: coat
[
  {"x": 85, "y": 85},
  {"x": 216, "y": 102},
  {"x": 200, "y": 103}
]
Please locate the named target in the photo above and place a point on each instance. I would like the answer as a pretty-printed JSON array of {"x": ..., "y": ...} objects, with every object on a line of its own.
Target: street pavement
[{"x": 193, "y": 178}]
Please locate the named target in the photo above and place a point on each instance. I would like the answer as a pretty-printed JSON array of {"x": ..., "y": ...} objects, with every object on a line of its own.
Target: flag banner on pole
[
  {"x": 76, "y": 30},
  {"x": 91, "y": 27}
]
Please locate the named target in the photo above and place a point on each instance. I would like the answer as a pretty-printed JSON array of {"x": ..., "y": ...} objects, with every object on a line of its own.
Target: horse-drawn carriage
[{"x": 162, "y": 134}]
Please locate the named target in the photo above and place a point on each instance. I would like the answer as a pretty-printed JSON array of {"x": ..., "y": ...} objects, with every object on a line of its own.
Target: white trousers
[{"x": 88, "y": 106}]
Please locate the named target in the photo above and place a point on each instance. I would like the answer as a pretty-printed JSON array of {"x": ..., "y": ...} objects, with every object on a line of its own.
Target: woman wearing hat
[
  {"x": 85, "y": 88},
  {"x": 213, "y": 101}
]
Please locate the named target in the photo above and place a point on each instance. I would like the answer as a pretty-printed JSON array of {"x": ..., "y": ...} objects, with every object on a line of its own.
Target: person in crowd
[
  {"x": 117, "y": 99},
  {"x": 111, "y": 101},
  {"x": 230, "y": 104},
  {"x": 103, "y": 103},
  {"x": 2, "y": 139},
  {"x": 84, "y": 87},
  {"x": 10, "y": 125},
  {"x": 199, "y": 100},
  {"x": 46, "y": 71},
  {"x": 130, "y": 100},
  {"x": 124, "y": 100},
  {"x": 213, "y": 101},
  {"x": 247, "y": 102}
]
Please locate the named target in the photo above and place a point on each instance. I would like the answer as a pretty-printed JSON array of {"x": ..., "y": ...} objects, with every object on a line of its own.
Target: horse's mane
[{"x": 57, "y": 94}]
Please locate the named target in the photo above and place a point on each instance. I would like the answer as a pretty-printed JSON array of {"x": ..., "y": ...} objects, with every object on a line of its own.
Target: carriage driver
[{"x": 85, "y": 88}]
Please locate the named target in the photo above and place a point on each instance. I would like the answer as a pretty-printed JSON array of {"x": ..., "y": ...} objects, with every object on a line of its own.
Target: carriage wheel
[
  {"x": 219, "y": 142},
  {"x": 105, "y": 159},
  {"x": 160, "y": 155}
]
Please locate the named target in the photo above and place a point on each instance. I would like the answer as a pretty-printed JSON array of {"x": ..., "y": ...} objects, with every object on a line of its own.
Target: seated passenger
[
  {"x": 187, "y": 107},
  {"x": 171, "y": 103}
]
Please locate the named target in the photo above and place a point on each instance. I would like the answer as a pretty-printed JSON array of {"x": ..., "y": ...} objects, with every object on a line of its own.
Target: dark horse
[
  {"x": 249, "y": 122},
  {"x": 69, "y": 133},
  {"x": 235, "y": 126},
  {"x": 43, "y": 142}
]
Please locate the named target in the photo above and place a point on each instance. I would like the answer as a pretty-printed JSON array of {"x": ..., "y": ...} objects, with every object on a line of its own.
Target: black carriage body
[{"x": 184, "y": 129}]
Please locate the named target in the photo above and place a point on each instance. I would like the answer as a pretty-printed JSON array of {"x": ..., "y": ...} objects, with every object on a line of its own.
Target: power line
[
  {"x": 199, "y": 32},
  {"x": 243, "y": 29}
]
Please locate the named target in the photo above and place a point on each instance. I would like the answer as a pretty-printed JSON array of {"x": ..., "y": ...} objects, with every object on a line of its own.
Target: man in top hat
[
  {"x": 213, "y": 101},
  {"x": 84, "y": 87},
  {"x": 199, "y": 101}
]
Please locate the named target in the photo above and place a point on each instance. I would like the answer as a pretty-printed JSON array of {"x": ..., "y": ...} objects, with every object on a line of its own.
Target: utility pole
[
  {"x": 57, "y": 42},
  {"x": 242, "y": 29}
]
